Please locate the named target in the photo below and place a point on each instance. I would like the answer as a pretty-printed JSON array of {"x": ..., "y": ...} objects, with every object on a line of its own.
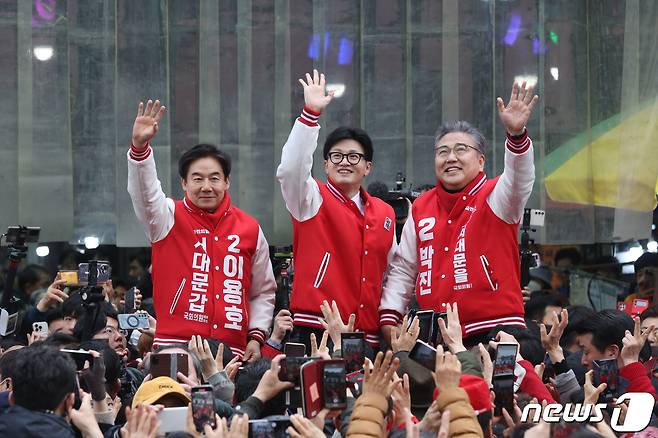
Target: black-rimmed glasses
[{"x": 353, "y": 158}]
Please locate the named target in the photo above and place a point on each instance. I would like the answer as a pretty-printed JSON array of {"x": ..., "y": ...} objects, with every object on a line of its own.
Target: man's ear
[
  {"x": 481, "y": 160},
  {"x": 326, "y": 167},
  {"x": 228, "y": 182},
  {"x": 368, "y": 168},
  {"x": 612, "y": 351},
  {"x": 183, "y": 184}
]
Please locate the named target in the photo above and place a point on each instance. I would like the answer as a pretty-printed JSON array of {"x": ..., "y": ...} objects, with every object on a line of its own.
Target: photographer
[
  {"x": 211, "y": 270},
  {"x": 43, "y": 395},
  {"x": 461, "y": 238}
]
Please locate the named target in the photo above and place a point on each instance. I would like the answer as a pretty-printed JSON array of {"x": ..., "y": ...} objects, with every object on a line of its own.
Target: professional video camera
[
  {"x": 532, "y": 219},
  {"x": 15, "y": 238}
]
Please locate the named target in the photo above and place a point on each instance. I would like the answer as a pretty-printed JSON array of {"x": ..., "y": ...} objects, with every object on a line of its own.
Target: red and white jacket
[
  {"x": 463, "y": 248},
  {"x": 342, "y": 246},
  {"x": 212, "y": 274}
]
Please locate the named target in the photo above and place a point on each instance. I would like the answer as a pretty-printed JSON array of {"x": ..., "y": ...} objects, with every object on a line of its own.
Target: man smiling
[
  {"x": 343, "y": 238},
  {"x": 211, "y": 269},
  {"x": 460, "y": 244}
]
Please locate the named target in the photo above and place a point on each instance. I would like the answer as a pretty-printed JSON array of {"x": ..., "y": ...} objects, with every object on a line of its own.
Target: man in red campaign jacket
[
  {"x": 460, "y": 241},
  {"x": 211, "y": 269},
  {"x": 343, "y": 238}
]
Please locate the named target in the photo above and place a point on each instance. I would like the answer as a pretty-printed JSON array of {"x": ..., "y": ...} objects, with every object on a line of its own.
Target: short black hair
[
  {"x": 347, "y": 133},
  {"x": 42, "y": 378},
  {"x": 651, "y": 312},
  {"x": 31, "y": 274},
  {"x": 111, "y": 359},
  {"x": 466, "y": 128},
  {"x": 8, "y": 363},
  {"x": 204, "y": 150},
  {"x": 576, "y": 316},
  {"x": 568, "y": 253},
  {"x": 608, "y": 327},
  {"x": 539, "y": 300}
]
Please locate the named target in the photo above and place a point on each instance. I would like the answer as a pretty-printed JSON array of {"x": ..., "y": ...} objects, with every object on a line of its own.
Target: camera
[{"x": 133, "y": 321}]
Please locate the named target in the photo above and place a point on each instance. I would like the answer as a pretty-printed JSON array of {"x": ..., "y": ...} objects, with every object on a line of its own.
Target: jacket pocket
[
  {"x": 177, "y": 296},
  {"x": 322, "y": 270},
  {"x": 488, "y": 273}
]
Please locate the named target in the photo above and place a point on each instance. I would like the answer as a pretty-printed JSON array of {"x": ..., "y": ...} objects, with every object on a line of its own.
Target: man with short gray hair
[{"x": 460, "y": 242}]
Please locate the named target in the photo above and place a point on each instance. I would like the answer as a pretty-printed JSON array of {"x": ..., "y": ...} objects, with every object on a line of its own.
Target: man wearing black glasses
[{"x": 343, "y": 238}]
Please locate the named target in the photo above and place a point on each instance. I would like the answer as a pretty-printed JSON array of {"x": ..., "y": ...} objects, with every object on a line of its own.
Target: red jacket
[{"x": 341, "y": 255}]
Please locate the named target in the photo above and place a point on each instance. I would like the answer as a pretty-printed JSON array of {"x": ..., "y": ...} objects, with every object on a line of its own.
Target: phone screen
[
  {"x": 290, "y": 367},
  {"x": 269, "y": 427},
  {"x": 292, "y": 349},
  {"x": 203, "y": 407},
  {"x": 335, "y": 386},
  {"x": 605, "y": 371},
  {"x": 425, "y": 319},
  {"x": 505, "y": 359},
  {"x": 424, "y": 354},
  {"x": 353, "y": 350},
  {"x": 79, "y": 357}
]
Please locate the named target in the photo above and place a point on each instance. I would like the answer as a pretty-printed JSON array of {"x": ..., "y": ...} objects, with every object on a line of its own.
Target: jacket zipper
[
  {"x": 177, "y": 296},
  {"x": 322, "y": 270},
  {"x": 488, "y": 273}
]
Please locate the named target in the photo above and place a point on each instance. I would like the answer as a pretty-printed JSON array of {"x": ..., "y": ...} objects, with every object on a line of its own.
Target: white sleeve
[
  {"x": 263, "y": 287},
  {"x": 300, "y": 191},
  {"x": 153, "y": 209},
  {"x": 514, "y": 187},
  {"x": 401, "y": 279}
]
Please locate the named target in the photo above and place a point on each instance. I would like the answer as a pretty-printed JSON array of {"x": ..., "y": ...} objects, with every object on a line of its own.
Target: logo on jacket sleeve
[{"x": 387, "y": 223}]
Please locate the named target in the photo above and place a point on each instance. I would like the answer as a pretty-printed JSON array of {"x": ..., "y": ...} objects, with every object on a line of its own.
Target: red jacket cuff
[
  {"x": 257, "y": 335},
  {"x": 518, "y": 145},
  {"x": 140, "y": 154},
  {"x": 532, "y": 385},
  {"x": 389, "y": 317},
  {"x": 309, "y": 117},
  {"x": 637, "y": 378}
]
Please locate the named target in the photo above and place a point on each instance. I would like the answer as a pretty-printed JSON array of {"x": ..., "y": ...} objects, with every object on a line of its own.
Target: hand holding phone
[
  {"x": 129, "y": 300},
  {"x": 606, "y": 371},
  {"x": 424, "y": 354},
  {"x": 168, "y": 364},
  {"x": 503, "y": 377},
  {"x": 203, "y": 407},
  {"x": 425, "y": 321},
  {"x": 353, "y": 350}
]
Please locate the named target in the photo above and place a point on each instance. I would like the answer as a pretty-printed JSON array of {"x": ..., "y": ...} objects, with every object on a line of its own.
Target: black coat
[{"x": 20, "y": 422}]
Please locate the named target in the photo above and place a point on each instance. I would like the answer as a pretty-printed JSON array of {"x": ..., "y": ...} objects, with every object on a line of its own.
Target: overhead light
[
  {"x": 43, "y": 251},
  {"x": 338, "y": 89},
  {"x": 652, "y": 246},
  {"x": 530, "y": 80},
  {"x": 43, "y": 53},
  {"x": 555, "y": 73},
  {"x": 91, "y": 242}
]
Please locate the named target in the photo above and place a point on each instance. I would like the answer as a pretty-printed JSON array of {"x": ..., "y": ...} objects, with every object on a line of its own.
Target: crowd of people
[{"x": 437, "y": 314}]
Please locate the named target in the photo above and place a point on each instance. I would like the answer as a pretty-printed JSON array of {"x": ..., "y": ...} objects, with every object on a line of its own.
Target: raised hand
[
  {"x": 551, "y": 340},
  {"x": 452, "y": 333},
  {"x": 517, "y": 112},
  {"x": 633, "y": 343},
  {"x": 146, "y": 122},
  {"x": 333, "y": 321},
  {"x": 315, "y": 97}
]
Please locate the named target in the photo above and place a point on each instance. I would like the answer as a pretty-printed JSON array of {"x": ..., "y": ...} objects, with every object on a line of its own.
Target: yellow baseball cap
[{"x": 153, "y": 390}]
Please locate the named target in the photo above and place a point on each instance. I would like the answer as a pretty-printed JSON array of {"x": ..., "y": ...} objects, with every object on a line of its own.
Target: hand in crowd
[
  {"x": 94, "y": 376},
  {"x": 282, "y": 324},
  {"x": 512, "y": 419},
  {"x": 84, "y": 419},
  {"x": 54, "y": 295},
  {"x": 551, "y": 340},
  {"x": 321, "y": 351},
  {"x": 592, "y": 393},
  {"x": 141, "y": 422},
  {"x": 270, "y": 385},
  {"x": 516, "y": 113},
  {"x": 525, "y": 293},
  {"x": 138, "y": 302},
  {"x": 448, "y": 370},
  {"x": 146, "y": 122},
  {"x": 404, "y": 338},
  {"x": 302, "y": 427},
  {"x": 152, "y": 324},
  {"x": 252, "y": 352},
  {"x": 633, "y": 343},
  {"x": 507, "y": 339},
  {"x": 487, "y": 364},
  {"x": 333, "y": 322},
  {"x": 401, "y": 397},
  {"x": 210, "y": 366},
  {"x": 435, "y": 421},
  {"x": 378, "y": 376},
  {"x": 239, "y": 427},
  {"x": 452, "y": 333},
  {"x": 314, "y": 92}
]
